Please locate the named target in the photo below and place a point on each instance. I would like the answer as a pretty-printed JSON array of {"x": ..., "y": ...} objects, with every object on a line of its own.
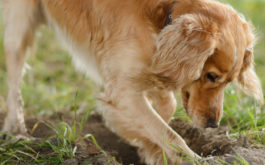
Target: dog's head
[{"x": 207, "y": 46}]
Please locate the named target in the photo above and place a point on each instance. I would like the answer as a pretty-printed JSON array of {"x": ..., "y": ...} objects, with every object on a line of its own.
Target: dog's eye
[{"x": 212, "y": 77}]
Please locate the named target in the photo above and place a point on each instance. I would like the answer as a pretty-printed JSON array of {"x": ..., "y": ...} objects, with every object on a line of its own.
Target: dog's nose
[{"x": 211, "y": 123}]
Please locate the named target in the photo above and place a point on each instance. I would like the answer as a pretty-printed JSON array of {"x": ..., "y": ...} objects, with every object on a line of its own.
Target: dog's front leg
[
  {"x": 164, "y": 102},
  {"x": 130, "y": 115}
]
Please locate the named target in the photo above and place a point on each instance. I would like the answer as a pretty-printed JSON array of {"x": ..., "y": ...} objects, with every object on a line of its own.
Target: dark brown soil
[
  {"x": 205, "y": 142},
  {"x": 110, "y": 142},
  {"x": 217, "y": 143}
]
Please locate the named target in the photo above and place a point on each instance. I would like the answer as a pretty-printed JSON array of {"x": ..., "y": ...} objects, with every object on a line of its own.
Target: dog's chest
[{"x": 81, "y": 51}]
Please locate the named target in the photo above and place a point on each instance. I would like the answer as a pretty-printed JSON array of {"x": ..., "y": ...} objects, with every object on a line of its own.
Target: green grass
[
  {"x": 52, "y": 85},
  {"x": 54, "y": 150}
]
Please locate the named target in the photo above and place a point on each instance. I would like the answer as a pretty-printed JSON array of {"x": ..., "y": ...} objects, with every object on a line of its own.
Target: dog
[{"x": 140, "y": 52}]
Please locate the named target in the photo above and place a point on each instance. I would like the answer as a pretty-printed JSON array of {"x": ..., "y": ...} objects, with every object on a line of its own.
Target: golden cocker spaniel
[{"x": 140, "y": 51}]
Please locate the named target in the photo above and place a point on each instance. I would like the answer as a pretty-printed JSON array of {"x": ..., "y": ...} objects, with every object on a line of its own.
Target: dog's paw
[
  {"x": 11, "y": 130},
  {"x": 153, "y": 155},
  {"x": 6, "y": 136}
]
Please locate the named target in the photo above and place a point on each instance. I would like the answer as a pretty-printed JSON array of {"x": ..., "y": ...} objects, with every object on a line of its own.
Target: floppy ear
[
  {"x": 183, "y": 48},
  {"x": 248, "y": 79}
]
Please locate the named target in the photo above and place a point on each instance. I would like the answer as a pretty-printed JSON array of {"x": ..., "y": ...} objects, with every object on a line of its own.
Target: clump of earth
[{"x": 214, "y": 143}]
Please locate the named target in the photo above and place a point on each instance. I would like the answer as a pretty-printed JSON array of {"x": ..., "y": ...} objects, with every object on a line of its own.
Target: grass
[
  {"x": 54, "y": 150},
  {"x": 47, "y": 89}
]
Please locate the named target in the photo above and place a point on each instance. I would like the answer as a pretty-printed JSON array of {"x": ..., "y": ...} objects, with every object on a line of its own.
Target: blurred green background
[{"x": 52, "y": 85}]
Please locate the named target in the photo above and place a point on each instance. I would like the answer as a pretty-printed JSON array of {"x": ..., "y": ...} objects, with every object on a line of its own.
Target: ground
[
  {"x": 110, "y": 149},
  {"x": 59, "y": 101}
]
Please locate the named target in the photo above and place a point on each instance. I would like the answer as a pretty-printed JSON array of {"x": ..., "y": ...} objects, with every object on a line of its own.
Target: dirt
[
  {"x": 218, "y": 143},
  {"x": 205, "y": 142}
]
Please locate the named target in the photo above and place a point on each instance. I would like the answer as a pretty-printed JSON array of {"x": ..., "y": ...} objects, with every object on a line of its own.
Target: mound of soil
[
  {"x": 205, "y": 142},
  {"x": 218, "y": 143}
]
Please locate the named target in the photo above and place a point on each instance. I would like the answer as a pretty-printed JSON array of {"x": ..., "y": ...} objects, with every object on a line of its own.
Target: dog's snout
[{"x": 211, "y": 124}]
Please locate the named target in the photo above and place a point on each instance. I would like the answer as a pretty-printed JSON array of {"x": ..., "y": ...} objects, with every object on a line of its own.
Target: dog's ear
[
  {"x": 248, "y": 79},
  {"x": 183, "y": 48}
]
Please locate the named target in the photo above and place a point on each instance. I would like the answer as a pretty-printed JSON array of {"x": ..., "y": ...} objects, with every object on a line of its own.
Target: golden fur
[{"x": 126, "y": 47}]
